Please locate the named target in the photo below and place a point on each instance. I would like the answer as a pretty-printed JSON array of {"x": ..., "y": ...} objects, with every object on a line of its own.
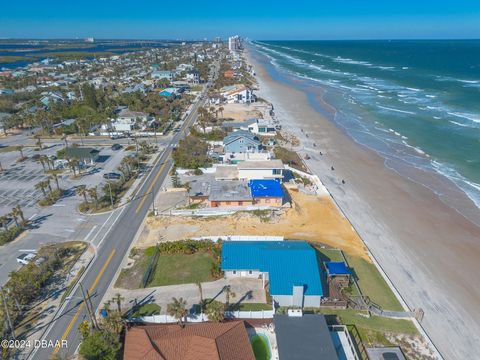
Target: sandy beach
[{"x": 428, "y": 250}]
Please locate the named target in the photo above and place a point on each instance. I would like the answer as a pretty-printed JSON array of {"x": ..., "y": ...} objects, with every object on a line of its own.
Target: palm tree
[
  {"x": 118, "y": 299},
  {"x": 64, "y": 138},
  {"x": 200, "y": 291},
  {"x": 19, "y": 212},
  {"x": 4, "y": 222},
  {"x": 19, "y": 148},
  {"x": 178, "y": 309},
  {"x": 1, "y": 167},
  {"x": 228, "y": 294},
  {"x": 47, "y": 182},
  {"x": 39, "y": 142},
  {"x": 14, "y": 215},
  {"x": 82, "y": 191},
  {"x": 215, "y": 311},
  {"x": 73, "y": 163},
  {"x": 41, "y": 160},
  {"x": 94, "y": 195},
  {"x": 221, "y": 110},
  {"x": 41, "y": 186},
  {"x": 55, "y": 177}
]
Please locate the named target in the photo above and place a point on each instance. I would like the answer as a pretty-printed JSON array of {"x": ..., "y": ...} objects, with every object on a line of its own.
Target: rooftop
[
  {"x": 288, "y": 263},
  {"x": 305, "y": 337},
  {"x": 204, "y": 341},
  {"x": 265, "y": 188},
  {"x": 261, "y": 164},
  {"x": 337, "y": 268},
  {"x": 230, "y": 191}
]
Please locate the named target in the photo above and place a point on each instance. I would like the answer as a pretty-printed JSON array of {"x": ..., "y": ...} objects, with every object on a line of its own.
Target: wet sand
[{"x": 428, "y": 250}]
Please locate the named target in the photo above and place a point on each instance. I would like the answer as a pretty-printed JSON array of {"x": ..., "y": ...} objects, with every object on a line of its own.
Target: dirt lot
[
  {"x": 311, "y": 218},
  {"x": 240, "y": 112}
]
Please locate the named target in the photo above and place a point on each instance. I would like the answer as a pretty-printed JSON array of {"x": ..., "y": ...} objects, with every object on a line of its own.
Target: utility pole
[
  {"x": 90, "y": 315},
  {"x": 12, "y": 329},
  {"x": 89, "y": 299}
]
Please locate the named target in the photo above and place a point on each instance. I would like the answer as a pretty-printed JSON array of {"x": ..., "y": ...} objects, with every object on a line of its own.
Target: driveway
[{"x": 246, "y": 290}]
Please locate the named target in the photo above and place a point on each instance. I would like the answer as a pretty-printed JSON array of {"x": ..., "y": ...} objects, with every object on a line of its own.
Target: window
[
  {"x": 267, "y": 200},
  {"x": 234, "y": 272},
  {"x": 240, "y": 203},
  {"x": 250, "y": 272},
  {"x": 228, "y": 202}
]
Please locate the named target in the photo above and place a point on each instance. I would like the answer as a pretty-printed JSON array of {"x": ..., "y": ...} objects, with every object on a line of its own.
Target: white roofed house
[
  {"x": 238, "y": 94},
  {"x": 128, "y": 120},
  {"x": 265, "y": 170},
  {"x": 256, "y": 126}
]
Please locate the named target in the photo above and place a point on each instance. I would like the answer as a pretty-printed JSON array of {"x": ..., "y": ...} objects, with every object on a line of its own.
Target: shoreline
[{"x": 426, "y": 248}]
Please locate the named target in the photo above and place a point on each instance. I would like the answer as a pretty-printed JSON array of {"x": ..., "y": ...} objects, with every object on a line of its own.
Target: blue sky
[{"x": 186, "y": 19}]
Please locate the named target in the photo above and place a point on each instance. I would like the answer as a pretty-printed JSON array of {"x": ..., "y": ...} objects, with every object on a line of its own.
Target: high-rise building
[{"x": 233, "y": 43}]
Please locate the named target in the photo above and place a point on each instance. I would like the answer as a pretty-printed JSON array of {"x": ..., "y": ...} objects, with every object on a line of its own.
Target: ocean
[{"x": 416, "y": 103}]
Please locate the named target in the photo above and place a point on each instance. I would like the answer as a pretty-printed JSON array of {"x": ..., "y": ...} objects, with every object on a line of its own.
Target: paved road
[{"x": 110, "y": 253}]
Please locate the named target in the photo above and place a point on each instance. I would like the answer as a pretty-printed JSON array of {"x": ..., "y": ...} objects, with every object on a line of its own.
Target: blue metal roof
[
  {"x": 288, "y": 263},
  {"x": 266, "y": 188},
  {"x": 337, "y": 268}
]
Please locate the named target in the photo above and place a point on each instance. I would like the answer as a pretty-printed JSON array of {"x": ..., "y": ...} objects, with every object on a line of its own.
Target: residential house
[
  {"x": 229, "y": 73},
  {"x": 250, "y": 170},
  {"x": 305, "y": 337},
  {"x": 51, "y": 97},
  {"x": 238, "y": 94},
  {"x": 266, "y": 192},
  {"x": 164, "y": 74},
  {"x": 200, "y": 341},
  {"x": 84, "y": 155},
  {"x": 241, "y": 141},
  {"x": 230, "y": 193},
  {"x": 169, "y": 92},
  {"x": 290, "y": 268},
  {"x": 128, "y": 120},
  {"x": 255, "y": 126},
  {"x": 193, "y": 77}
]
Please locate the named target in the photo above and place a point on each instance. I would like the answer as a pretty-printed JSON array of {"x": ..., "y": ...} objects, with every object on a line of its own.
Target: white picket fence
[
  {"x": 196, "y": 318},
  {"x": 220, "y": 211}
]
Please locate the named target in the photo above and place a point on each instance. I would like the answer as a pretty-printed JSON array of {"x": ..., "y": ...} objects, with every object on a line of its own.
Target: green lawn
[
  {"x": 260, "y": 347},
  {"x": 372, "y": 284},
  {"x": 182, "y": 269},
  {"x": 147, "y": 310},
  {"x": 368, "y": 278}
]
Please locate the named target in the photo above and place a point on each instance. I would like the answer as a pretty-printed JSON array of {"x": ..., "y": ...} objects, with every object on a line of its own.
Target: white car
[{"x": 24, "y": 259}]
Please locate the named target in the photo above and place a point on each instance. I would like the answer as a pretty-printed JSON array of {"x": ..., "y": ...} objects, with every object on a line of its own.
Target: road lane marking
[
  {"x": 77, "y": 313},
  {"x": 151, "y": 187},
  {"x": 31, "y": 217},
  {"x": 90, "y": 232}
]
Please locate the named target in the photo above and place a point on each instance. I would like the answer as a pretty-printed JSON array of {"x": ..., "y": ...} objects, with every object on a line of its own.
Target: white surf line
[
  {"x": 90, "y": 232},
  {"x": 396, "y": 110}
]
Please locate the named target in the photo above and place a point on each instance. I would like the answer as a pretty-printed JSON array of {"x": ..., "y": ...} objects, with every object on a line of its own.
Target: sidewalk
[{"x": 47, "y": 310}]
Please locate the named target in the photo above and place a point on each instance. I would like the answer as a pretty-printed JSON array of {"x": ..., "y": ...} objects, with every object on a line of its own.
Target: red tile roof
[{"x": 204, "y": 341}]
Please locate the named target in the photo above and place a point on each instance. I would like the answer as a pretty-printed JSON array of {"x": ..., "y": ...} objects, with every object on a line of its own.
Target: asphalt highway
[{"x": 111, "y": 250}]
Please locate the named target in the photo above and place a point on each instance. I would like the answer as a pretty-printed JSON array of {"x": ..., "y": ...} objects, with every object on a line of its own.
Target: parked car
[
  {"x": 116, "y": 147},
  {"x": 112, "y": 176},
  {"x": 24, "y": 259}
]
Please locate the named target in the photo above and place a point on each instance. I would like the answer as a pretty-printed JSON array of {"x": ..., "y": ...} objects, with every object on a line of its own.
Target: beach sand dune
[{"x": 429, "y": 251}]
